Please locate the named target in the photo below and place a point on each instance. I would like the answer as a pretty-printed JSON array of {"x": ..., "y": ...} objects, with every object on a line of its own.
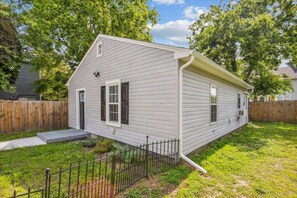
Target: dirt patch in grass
[{"x": 158, "y": 185}]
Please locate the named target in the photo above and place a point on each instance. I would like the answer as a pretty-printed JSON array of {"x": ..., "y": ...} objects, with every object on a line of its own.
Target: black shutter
[
  {"x": 103, "y": 103},
  {"x": 125, "y": 103}
]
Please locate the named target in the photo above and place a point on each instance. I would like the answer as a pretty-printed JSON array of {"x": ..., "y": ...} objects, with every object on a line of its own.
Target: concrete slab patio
[
  {"x": 44, "y": 138},
  {"x": 24, "y": 142},
  {"x": 63, "y": 135}
]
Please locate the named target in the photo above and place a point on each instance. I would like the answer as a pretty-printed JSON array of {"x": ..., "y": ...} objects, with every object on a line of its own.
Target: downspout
[{"x": 181, "y": 155}]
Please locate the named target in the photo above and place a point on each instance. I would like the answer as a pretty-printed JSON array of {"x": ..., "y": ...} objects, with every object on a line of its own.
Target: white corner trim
[
  {"x": 107, "y": 84},
  {"x": 77, "y": 124},
  {"x": 182, "y": 54}
]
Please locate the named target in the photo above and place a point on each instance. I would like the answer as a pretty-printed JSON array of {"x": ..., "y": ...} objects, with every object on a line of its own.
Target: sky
[{"x": 175, "y": 18}]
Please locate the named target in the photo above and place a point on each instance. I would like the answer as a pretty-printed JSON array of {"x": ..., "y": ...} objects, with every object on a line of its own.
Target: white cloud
[
  {"x": 169, "y": 2},
  {"x": 193, "y": 12},
  {"x": 176, "y": 32},
  {"x": 173, "y": 32}
]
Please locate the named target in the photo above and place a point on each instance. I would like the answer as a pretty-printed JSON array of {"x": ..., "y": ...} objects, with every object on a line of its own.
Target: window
[
  {"x": 213, "y": 104},
  {"x": 81, "y": 97},
  {"x": 238, "y": 100},
  {"x": 244, "y": 103},
  {"x": 113, "y": 105},
  {"x": 99, "y": 49}
]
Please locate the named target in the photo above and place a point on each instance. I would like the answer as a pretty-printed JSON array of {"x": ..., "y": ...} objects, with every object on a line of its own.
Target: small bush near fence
[
  {"x": 273, "y": 111},
  {"x": 109, "y": 174},
  {"x": 17, "y": 116}
]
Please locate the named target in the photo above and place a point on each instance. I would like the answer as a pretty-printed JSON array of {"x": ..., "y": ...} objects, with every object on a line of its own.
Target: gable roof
[
  {"x": 290, "y": 71},
  {"x": 179, "y": 53}
]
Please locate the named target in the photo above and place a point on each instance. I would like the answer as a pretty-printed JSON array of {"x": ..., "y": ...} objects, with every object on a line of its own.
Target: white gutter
[{"x": 181, "y": 155}]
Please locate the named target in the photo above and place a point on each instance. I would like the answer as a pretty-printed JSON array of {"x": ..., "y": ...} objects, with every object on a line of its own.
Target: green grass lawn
[
  {"x": 255, "y": 161},
  {"x": 18, "y": 135},
  {"x": 24, "y": 167}
]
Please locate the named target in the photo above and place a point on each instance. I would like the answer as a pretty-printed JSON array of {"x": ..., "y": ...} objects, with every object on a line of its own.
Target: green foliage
[
  {"x": 103, "y": 146},
  {"x": 250, "y": 38},
  {"x": 90, "y": 143},
  {"x": 10, "y": 50},
  {"x": 121, "y": 151},
  {"x": 24, "y": 167},
  {"x": 52, "y": 82},
  {"x": 60, "y": 32}
]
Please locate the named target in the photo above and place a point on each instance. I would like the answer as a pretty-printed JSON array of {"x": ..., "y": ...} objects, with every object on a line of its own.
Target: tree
[
  {"x": 60, "y": 32},
  {"x": 250, "y": 38},
  {"x": 10, "y": 51}
]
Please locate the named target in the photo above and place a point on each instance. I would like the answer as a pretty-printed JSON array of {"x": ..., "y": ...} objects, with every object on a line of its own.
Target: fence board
[
  {"x": 274, "y": 111},
  {"x": 18, "y": 116}
]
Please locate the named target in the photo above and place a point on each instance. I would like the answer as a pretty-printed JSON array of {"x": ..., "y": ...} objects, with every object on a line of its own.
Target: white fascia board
[
  {"x": 208, "y": 65},
  {"x": 178, "y": 51}
]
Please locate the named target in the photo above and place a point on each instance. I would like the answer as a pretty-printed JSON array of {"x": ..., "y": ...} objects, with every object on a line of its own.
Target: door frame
[{"x": 77, "y": 108}]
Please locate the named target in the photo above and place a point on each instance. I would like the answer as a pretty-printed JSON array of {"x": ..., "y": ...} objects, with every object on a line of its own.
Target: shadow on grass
[{"x": 249, "y": 138}]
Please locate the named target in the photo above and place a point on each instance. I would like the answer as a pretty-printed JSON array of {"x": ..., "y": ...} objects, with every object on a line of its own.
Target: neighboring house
[
  {"x": 126, "y": 90},
  {"x": 292, "y": 73},
  {"x": 24, "y": 85}
]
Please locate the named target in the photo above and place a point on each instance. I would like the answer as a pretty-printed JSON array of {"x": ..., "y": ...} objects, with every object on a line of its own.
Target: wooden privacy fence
[
  {"x": 16, "y": 116},
  {"x": 274, "y": 111}
]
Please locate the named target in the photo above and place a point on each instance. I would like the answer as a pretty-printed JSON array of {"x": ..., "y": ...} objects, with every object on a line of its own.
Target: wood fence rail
[
  {"x": 17, "y": 116},
  {"x": 274, "y": 111}
]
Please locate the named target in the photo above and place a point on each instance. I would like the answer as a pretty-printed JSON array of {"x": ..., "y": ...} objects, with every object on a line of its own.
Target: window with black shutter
[
  {"x": 125, "y": 103},
  {"x": 115, "y": 112},
  {"x": 103, "y": 104}
]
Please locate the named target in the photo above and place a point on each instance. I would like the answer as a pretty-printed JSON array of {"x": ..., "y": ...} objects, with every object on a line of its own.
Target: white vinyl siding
[
  {"x": 197, "y": 131},
  {"x": 152, "y": 75}
]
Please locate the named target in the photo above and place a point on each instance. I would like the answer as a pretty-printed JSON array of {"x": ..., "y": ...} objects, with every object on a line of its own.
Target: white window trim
[
  {"x": 107, "y": 85},
  {"x": 77, "y": 108},
  {"x": 210, "y": 122},
  {"x": 100, "y": 43}
]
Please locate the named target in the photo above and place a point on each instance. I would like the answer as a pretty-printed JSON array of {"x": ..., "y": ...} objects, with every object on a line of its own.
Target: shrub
[
  {"x": 103, "y": 146},
  {"x": 90, "y": 143},
  {"x": 127, "y": 157}
]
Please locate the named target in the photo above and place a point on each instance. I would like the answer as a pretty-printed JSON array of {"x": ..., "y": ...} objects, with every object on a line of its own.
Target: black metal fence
[{"x": 109, "y": 174}]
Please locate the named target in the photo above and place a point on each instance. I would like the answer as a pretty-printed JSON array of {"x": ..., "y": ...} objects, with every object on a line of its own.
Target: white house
[
  {"x": 126, "y": 89},
  {"x": 292, "y": 73}
]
